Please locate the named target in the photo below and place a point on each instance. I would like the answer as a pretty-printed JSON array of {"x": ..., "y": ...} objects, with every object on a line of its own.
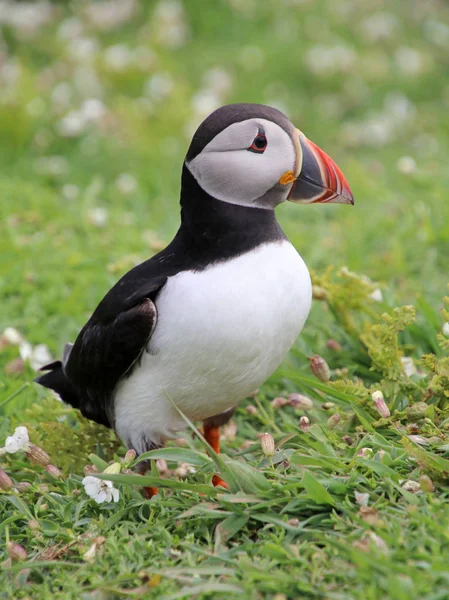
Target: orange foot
[
  {"x": 149, "y": 492},
  {"x": 212, "y": 436},
  {"x": 218, "y": 481}
]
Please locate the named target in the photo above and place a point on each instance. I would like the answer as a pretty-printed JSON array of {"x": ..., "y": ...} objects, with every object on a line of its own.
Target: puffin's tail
[{"x": 57, "y": 381}]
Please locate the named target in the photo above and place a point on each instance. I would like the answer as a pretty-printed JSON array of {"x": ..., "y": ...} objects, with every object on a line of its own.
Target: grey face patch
[{"x": 226, "y": 169}]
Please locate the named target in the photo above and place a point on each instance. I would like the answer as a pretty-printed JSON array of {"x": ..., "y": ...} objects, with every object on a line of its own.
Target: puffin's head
[{"x": 250, "y": 154}]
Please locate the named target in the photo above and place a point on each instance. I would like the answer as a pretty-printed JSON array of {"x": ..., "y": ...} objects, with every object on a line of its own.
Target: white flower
[
  {"x": 12, "y": 336},
  {"x": 110, "y": 14},
  {"x": 406, "y": 165},
  {"x": 361, "y": 499},
  {"x": 93, "y": 109},
  {"x": 118, "y": 57},
  {"x": 170, "y": 24},
  {"x": 379, "y": 26},
  {"x": 159, "y": 86},
  {"x": 126, "y": 183},
  {"x": 98, "y": 216},
  {"x": 70, "y": 29},
  {"x": 444, "y": 329},
  {"x": 61, "y": 94},
  {"x": 19, "y": 440},
  {"x": 408, "y": 365},
  {"x": 72, "y": 124},
  {"x": 218, "y": 80},
  {"x": 37, "y": 356},
  {"x": 410, "y": 61},
  {"x": 99, "y": 490},
  {"x": 70, "y": 191},
  {"x": 376, "y": 295},
  {"x": 204, "y": 102},
  {"x": 328, "y": 60},
  {"x": 82, "y": 49}
]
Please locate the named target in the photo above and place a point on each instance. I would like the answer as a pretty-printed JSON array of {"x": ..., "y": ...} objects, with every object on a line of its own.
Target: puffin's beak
[{"x": 318, "y": 178}]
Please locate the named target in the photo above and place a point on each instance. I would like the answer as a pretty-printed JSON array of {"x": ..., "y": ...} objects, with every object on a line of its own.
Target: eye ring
[{"x": 260, "y": 142}]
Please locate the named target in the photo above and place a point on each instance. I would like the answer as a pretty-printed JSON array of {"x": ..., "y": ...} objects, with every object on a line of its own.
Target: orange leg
[
  {"x": 148, "y": 492},
  {"x": 212, "y": 437}
]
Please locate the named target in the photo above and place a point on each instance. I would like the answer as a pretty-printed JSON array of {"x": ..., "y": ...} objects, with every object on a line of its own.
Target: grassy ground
[{"x": 96, "y": 111}]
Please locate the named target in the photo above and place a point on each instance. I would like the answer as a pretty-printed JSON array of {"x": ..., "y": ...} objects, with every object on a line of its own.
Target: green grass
[{"x": 291, "y": 525}]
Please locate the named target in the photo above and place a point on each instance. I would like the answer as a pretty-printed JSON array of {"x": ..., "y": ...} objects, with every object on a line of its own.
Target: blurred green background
[
  {"x": 98, "y": 103},
  {"x": 99, "y": 100}
]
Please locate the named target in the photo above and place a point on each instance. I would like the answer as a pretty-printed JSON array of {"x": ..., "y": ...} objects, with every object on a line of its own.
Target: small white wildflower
[
  {"x": 72, "y": 124},
  {"x": 408, "y": 365},
  {"x": 218, "y": 80},
  {"x": 86, "y": 82},
  {"x": 126, "y": 183},
  {"x": 118, "y": 57},
  {"x": 37, "y": 356},
  {"x": 171, "y": 26},
  {"x": 328, "y": 60},
  {"x": 98, "y": 216},
  {"x": 377, "y": 295},
  {"x": 409, "y": 61},
  {"x": 406, "y": 165},
  {"x": 82, "y": 49},
  {"x": 61, "y": 95},
  {"x": 110, "y": 14},
  {"x": 361, "y": 499},
  {"x": 100, "y": 490},
  {"x": 70, "y": 191},
  {"x": 159, "y": 86},
  {"x": 204, "y": 102},
  {"x": 19, "y": 440},
  {"x": 379, "y": 26},
  {"x": 93, "y": 109},
  {"x": 444, "y": 329},
  {"x": 437, "y": 32},
  {"x": 70, "y": 29},
  {"x": 399, "y": 108},
  {"x": 40, "y": 356},
  {"x": 12, "y": 336}
]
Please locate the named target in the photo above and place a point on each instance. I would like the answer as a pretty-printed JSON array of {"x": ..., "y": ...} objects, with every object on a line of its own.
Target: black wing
[{"x": 105, "y": 351}]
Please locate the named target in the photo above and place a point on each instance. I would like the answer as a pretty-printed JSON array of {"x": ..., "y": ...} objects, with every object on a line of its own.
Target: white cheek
[{"x": 240, "y": 176}]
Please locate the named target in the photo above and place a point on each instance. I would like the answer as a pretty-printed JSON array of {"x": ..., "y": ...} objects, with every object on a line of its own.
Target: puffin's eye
[{"x": 259, "y": 143}]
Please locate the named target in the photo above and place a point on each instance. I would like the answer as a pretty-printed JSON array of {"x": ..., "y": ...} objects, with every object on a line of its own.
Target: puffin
[{"x": 207, "y": 320}]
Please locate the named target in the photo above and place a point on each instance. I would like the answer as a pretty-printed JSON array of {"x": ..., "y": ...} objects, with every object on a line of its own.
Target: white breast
[{"x": 220, "y": 333}]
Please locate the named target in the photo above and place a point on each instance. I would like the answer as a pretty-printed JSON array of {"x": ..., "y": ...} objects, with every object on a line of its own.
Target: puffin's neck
[{"x": 208, "y": 224}]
